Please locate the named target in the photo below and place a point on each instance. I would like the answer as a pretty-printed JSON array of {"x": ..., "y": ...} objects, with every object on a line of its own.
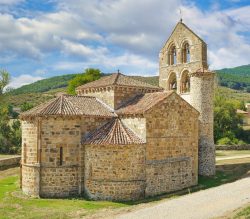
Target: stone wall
[
  {"x": 6, "y": 163},
  {"x": 115, "y": 172},
  {"x": 29, "y": 142},
  {"x": 30, "y": 168},
  {"x": 172, "y": 146},
  {"x": 198, "y": 55},
  {"x": 53, "y": 161},
  {"x": 233, "y": 147},
  {"x": 104, "y": 94},
  {"x": 124, "y": 94},
  {"x": 115, "y": 96},
  {"x": 59, "y": 173},
  {"x": 31, "y": 179},
  {"x": 202, "y": 95},
  {"x": 201, "y": 88},
  {"x": 136, "y": 124},
  {"x": 59, "y": 181},
  {"x": 169, "y": 175}
]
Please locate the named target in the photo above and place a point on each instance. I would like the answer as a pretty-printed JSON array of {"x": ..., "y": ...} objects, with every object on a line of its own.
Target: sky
[{"x": 41, "y": 39}]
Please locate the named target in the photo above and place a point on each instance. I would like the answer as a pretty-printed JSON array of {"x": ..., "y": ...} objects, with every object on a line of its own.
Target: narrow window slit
[{"x": 61, "y": 156}]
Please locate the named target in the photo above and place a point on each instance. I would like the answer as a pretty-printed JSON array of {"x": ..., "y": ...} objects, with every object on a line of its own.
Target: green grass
[
  {"x": 13, "y": 204},
  {"x": 244, "y": 213}
]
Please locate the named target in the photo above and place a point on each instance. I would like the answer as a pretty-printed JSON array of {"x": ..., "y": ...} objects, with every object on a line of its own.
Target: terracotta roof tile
[
  {"x": 142, "y": 103},
  {"x": 113, "y": 133},
  {"x": 71, "y": 105},
  {"x": 119, "y": 80}
]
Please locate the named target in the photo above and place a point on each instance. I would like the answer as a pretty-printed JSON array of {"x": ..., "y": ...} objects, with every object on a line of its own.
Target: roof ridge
[
  {"x": 113, "y": 132},
  {"x": 61, "y": 104},
  {"x": 117, "y": 75},
  {"x": 48, "y": 104}
]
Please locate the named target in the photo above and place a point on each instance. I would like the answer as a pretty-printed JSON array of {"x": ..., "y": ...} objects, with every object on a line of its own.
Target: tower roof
[
  {"x": 117, "y": 79},
  {"x": 66, "y": 105},
  {"x": 180, "y": 23},
  {"x": 113, "y": 133}
]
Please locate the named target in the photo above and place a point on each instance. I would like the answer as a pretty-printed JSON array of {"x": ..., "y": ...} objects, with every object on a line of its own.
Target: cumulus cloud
[
  {"x": 23, "y": 80},
  {"x": 115, "y": 34},
  {"x": 128, "y": 63},
  {"x": 35, "y": 37},
  {"x": 224, "y": 33},
  {"x": 10, "y": 2}
]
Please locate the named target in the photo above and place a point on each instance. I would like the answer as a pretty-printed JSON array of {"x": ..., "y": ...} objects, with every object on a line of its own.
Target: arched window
[
  {"x": 186, "y": 53},
  {"x": 185, "y": 82},
  {"x": 172, "y": 82},
  {"x": 172, "y": 56}
]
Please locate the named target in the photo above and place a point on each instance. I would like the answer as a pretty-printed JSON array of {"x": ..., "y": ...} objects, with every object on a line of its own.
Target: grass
[
  {"x": 232, "y": 153},
  {"x": 244, "y": 213},
  {"x": 14, "y": 204}
]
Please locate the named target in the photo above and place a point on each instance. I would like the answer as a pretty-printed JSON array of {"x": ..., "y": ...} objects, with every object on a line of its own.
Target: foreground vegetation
[
  {"x": 14, "y": 204},
  {"x": 243, "y": 213}
]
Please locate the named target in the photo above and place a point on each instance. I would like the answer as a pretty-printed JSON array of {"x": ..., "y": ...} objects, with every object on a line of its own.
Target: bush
[
  {"x": 228, "y": 141},
  {"x": 89, "y": 75}
]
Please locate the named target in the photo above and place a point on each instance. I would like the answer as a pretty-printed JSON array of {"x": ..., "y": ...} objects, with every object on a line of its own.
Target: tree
[
  {"x": 248, "y": 89},
  {"x": 89, "y": 75},
  {"x": 4, "y": 80},
  {"x": 10, "y": 130},
  {"x": 26, "y": 106},
  {"x": 227, "y": 123}
]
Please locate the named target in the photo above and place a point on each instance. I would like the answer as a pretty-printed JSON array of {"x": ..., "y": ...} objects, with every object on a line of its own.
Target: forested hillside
[
  {"x": 237, "y": 78},
  {"x": 44, "y": 85}
]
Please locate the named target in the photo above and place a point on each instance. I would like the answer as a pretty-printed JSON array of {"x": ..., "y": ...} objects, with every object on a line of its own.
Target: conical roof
[
  {"x": 119, "y": 80},
  {"x": 71, "y": 106},
  {"x": 113, "y": 133}
]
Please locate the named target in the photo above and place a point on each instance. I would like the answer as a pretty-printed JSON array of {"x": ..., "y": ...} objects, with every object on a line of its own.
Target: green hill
[
  {"x": 237, "y": 78},
  {"x": 44, "y": 85}
]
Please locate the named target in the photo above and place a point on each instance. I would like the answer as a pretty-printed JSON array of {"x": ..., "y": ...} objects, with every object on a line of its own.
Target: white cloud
[
  {"x": 122, "y": 33},
  {"x": 222, "y": 30},
  {"x": 10, "y": 2},
  {"x": 33, "y": 38},
  {"x": 23, "y": 80}
]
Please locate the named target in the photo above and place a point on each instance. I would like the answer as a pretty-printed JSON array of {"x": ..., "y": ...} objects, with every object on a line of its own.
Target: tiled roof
[
  {"x": 115, "y": 133},
  {"x": 142, "y": 103},
  {"x": 117, "y": 79},
  {"x": 71, "y": 106}
]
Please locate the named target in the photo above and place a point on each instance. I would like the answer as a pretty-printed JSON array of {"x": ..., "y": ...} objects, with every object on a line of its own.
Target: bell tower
[{"x": 183, "y": 67}]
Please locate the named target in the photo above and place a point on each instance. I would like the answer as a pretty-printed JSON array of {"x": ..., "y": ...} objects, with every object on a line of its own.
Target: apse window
[{"x": 61, "y": 156}]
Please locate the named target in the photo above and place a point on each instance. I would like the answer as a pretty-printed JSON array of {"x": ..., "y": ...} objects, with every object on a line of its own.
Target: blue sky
[{"x": 40, "y": 39}]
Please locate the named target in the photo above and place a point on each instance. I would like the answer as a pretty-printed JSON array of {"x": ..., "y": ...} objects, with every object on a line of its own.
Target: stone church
[{"x": 124, "y": 139}]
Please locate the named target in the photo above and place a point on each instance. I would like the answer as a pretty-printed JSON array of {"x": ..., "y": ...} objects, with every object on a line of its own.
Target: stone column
[{"x": 201, "y": 98}]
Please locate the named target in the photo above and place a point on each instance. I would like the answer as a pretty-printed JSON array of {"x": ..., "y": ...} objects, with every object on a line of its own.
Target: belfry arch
[
  {"x": 172, "y": 81},
  {"x": 172, "y": 55},
  {"x": 186, "y": 56},
  {"x": 185, "y": 82}
]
